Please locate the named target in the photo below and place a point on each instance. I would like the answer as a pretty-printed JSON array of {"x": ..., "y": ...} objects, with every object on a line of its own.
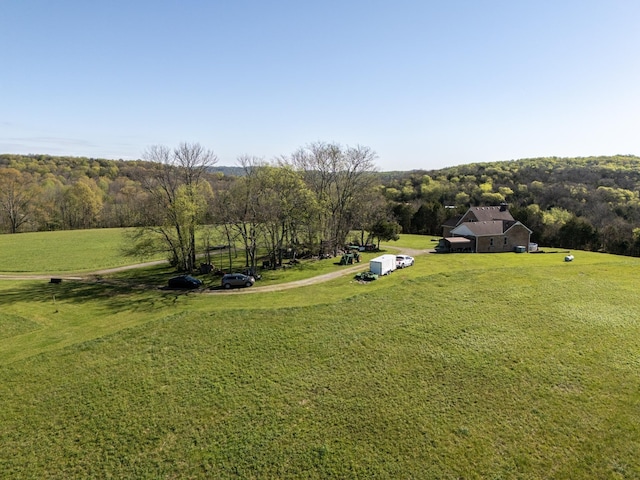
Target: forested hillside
[
  {"x": 587, "y": 203},
  {"x": 43, "y": 192}
]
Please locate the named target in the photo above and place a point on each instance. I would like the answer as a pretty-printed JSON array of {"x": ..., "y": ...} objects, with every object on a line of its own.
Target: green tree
[
  {"x": 403, "y": 213},
  {"x": 428, "y": 219},
  {"x": 239, "y": 208},
  {"x": 617, "y": 237},
  {"x": 81, "y": 204},
  {"x": 368, "y": 208},
  {"x": 636, "y": 242},
  {"x": 385, "y": 230},
  {"x": 286, "y": 207},
  {"x": 17, "y": 191},
  {"x": 578, "y": 233},
  {"x": 337, "y": 176},
  {"x": 177, "y": 201}
]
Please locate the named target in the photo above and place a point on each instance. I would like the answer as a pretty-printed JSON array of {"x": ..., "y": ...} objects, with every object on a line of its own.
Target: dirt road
[{"x": 88, "y": 276}]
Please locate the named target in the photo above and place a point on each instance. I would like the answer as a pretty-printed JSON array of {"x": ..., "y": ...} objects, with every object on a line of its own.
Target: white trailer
[{"x": 383, "y": 265}]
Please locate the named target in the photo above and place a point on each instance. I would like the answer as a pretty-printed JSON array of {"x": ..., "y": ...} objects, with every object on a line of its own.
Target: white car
[{"x": 404, "y": 261}]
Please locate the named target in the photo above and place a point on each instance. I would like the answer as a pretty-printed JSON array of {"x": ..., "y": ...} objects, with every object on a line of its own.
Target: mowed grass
[
  {"x": 67, "y": 251},
  {"x": 463, "y": 366},
  {"x": 85, "y": 251}
]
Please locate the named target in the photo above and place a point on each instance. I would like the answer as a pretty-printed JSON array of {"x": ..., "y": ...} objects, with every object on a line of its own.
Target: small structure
[
  {"x": 383, "y": 265},
  {"x": 485, "y": 230}
]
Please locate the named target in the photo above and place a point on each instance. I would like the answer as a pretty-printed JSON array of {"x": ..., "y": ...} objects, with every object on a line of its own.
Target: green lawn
[
  {"x": 77, "y": 251},
  {"x": 66, "y": 251},
  {"x": 463, "y": 366}
]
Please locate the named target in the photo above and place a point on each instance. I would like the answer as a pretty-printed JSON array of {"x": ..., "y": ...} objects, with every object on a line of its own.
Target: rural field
[{"x": 475, "y": 366}]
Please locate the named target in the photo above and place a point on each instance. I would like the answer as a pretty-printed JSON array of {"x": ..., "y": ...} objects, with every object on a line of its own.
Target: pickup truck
[{"x": 404, "y": 261}]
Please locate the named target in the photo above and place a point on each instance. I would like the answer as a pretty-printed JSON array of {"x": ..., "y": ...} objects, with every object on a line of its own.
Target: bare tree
[
  {"x": 338, "y": 176},
  {"x": 176, "y": 191}
]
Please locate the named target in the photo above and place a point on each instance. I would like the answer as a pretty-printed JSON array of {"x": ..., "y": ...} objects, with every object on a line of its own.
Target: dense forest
[
  {"x": 313, "y": 198},
  {"x": 587, "y": 203}
]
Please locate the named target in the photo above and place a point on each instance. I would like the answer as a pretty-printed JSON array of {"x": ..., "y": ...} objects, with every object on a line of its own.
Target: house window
[
  {"x": 505, "y": 240},
  {"x": 491, "y": 241}
]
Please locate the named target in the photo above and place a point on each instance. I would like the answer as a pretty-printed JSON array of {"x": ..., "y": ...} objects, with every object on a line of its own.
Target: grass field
[
  {"x": 463, "y": 366},
  {"x": 63, "y": 251},
  {"x": 84, "y": 251}
]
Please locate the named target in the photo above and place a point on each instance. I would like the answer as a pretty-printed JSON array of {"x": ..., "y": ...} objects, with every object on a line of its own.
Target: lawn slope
[{"x": 468, "y": 366}]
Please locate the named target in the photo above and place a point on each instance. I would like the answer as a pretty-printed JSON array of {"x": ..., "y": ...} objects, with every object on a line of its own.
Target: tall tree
[
  {"x": 80, "y": 204},
  {"x": 385, "y": 230},
  {"x": 429, "y": 219},
  {"x": 369, "y": 207},
  {"x": 177, "y": 194},
  {"x": 578, "y": 233},
  {"x": 124, "y": 197},
  {"x": 286, "y": 207},
  {"x": 338, "y": 176},
  {"x": 16, "y": 194},
  {"x": 238, "y": 208}
]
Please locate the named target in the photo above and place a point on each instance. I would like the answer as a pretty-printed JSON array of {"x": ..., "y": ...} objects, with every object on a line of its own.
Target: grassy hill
[{"x": 463, "y": 366}]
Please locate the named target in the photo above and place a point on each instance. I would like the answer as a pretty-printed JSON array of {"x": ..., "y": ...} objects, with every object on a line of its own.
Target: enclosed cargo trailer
[{"x": 383, "y": 265}]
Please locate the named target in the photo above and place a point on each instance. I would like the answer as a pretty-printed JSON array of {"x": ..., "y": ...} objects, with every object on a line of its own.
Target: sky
[{"x": 426, "y": 84}]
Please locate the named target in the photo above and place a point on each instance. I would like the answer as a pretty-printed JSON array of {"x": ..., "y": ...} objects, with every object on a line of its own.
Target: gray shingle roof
[
  {"x": 495, "y": 227},
  {"x": 487, "y": 214}
]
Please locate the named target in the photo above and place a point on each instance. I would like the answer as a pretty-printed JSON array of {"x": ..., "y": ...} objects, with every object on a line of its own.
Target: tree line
[
  {"x": 304, "y": 203},
  {"x": 310, "y": 200}
]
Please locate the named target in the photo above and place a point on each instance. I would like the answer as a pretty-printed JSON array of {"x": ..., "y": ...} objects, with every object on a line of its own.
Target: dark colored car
[
  {"x": 185, "y": 281},
  {"x": 237, "y": 280}
]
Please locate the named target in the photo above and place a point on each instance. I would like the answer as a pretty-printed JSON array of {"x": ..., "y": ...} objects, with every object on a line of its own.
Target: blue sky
[{"x": 426, "y": 84}]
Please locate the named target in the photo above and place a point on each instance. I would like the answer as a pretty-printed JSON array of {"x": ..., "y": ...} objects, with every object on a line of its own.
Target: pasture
[
  {"x": 66, "y": 251},
  {"x": 463, "y": 366}
]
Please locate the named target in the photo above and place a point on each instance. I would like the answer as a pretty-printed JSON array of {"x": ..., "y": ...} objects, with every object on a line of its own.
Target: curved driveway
[{"x": 267, "y": 288}]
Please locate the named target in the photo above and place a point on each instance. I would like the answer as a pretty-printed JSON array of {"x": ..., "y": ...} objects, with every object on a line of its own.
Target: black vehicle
[
  {"x": 185, "y": 281},
  {"x": 237, "y": 280}
]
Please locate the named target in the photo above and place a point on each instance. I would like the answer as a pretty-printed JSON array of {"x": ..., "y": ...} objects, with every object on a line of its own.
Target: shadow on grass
[{"x": 143, "y": 290}]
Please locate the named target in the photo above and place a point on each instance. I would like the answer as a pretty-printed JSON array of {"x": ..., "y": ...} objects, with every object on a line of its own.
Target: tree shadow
[{"x": 117, "y": 295}]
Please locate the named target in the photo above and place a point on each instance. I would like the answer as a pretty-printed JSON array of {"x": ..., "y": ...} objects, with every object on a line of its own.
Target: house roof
[
  {"x": 453, "y": 221},
  {"x": 487, "y": 214},
  {"x": 479, "y": 229},
  {"x": 513, "y": 224},
  {"x": 458, "y": 240},
  {"x": 483, "y": 221}
]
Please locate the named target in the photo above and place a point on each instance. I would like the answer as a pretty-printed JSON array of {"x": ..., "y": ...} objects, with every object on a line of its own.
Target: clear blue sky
[{"x": 426, "y": 84}]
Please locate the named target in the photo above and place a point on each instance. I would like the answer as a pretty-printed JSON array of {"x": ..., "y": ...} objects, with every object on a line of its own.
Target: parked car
[
  {"x": 404, "y": 261},
  {"x": 237, "y": 280},
  {"x": 185, "y": 281}
]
